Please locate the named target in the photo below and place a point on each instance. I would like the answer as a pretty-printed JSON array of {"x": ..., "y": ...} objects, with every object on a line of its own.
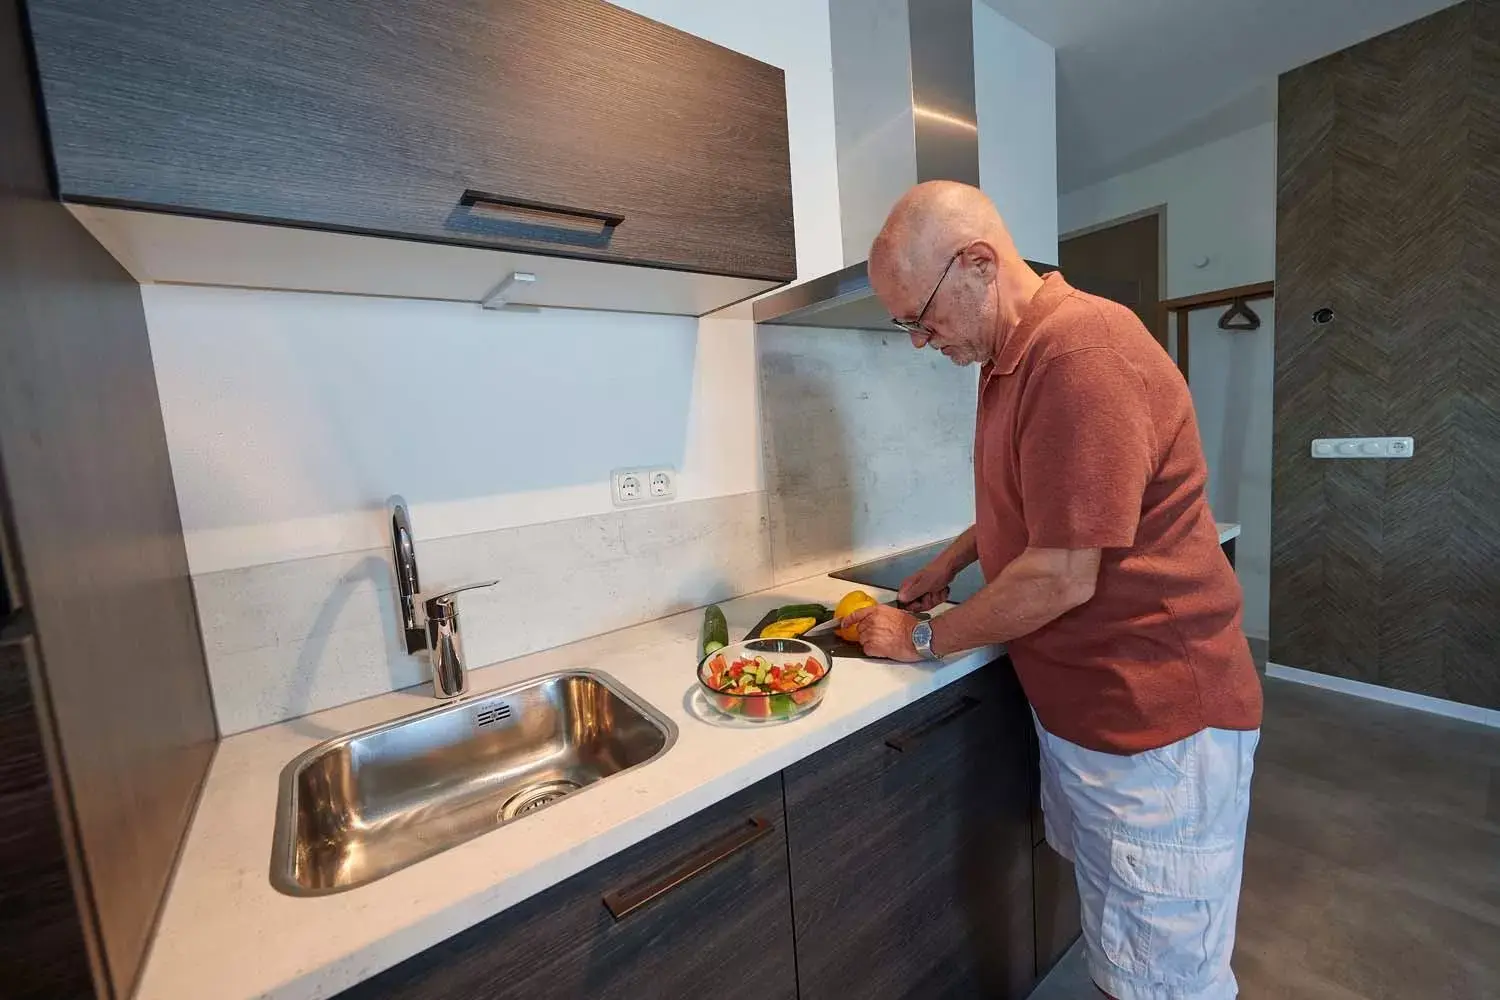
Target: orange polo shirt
[{"x": 1086, "y": 438}]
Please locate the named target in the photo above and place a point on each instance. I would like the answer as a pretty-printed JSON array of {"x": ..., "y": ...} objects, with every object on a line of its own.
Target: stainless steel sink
[{"x": 361, "y": 806}]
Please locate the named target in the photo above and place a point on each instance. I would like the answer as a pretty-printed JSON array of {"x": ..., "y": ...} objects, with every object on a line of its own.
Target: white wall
[
  {"x": 1221, "y": 206},
  {"x": 1015, "y": 96}
]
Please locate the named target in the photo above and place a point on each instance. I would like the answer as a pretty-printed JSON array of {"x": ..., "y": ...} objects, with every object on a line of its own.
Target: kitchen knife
[{"x": 833, "y": 623}]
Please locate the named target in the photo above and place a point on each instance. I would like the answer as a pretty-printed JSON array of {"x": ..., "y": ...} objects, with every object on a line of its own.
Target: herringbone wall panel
[{"x": 1388, "y": 212}]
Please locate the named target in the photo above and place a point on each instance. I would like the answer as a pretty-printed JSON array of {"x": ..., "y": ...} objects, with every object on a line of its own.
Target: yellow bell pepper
[{"x": 788, "y": 628}]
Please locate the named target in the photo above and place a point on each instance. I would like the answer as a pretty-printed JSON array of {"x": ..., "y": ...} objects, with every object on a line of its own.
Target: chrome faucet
[{"x": 435, "y": 627}]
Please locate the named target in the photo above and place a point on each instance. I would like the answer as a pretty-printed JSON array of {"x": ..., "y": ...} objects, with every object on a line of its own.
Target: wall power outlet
[{"x": 630, "y": 487}]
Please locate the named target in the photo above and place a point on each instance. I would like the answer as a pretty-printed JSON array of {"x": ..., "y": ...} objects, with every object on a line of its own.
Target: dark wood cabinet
[
  {"x": 910, "y": 847},
  {"x": 42, "y": 946},
  {"x": 567, "y": 128},
  {"x": 715, "y": 928}
]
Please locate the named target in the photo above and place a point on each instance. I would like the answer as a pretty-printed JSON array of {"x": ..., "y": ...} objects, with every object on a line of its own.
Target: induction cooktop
[{"x": 888, "y": 572}]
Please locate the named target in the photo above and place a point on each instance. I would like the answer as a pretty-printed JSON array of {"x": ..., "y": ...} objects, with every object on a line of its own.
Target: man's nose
[{"x": 919, "y": 340}]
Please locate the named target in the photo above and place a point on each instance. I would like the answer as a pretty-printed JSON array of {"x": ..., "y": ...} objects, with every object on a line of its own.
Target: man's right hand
[{"x": 927, "y": 587}]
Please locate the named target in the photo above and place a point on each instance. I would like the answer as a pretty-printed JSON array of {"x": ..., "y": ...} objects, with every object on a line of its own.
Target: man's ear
[{"x": 982, "y": 257}]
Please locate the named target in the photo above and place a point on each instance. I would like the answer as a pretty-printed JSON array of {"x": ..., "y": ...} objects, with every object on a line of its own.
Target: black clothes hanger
[{"x": 1239, "y": 317}]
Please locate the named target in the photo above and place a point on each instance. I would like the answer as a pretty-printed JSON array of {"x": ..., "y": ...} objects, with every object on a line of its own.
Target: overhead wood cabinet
[{"x": 556, "y": 131}]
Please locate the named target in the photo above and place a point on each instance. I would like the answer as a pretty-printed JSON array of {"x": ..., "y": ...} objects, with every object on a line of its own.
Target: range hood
[{"x": 904, "y": 112}]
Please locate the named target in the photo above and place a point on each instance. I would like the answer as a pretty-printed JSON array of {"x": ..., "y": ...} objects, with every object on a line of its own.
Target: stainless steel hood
[{"x": 903, "y": 90}]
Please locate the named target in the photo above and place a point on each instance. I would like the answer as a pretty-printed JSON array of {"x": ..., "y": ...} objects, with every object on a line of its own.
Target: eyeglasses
[{"x": 915, "y": 326}]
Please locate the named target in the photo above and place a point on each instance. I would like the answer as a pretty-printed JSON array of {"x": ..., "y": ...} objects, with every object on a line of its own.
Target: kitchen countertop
[
  {"x": 226, "y": 933},
  {"x": 890, "y": 570}
]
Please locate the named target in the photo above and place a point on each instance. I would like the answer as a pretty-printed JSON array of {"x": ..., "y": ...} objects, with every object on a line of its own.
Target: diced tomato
[
  {"x": 757, "y": 708},
  {"x": 737, "y": 671},
  {"x": 815, "y": 668}
]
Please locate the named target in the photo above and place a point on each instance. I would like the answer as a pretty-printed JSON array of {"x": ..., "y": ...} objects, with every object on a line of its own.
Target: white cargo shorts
[{"x": 1158, "y": 843}]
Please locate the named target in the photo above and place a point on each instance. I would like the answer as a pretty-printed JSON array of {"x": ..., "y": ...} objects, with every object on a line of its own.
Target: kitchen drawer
[
  {"x": 567, "y": 128},
  {"x": 724, "y": 932},
  {"x": 913, "y": 838}
]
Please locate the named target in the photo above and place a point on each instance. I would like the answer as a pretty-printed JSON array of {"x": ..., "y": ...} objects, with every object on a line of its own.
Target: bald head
[
  {"x": 945, "y": 267},
  {"x": 931, "y": 222}
]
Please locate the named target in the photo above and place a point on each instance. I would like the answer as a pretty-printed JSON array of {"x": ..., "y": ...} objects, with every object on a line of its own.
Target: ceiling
[{"x": 1138, "y": 78}]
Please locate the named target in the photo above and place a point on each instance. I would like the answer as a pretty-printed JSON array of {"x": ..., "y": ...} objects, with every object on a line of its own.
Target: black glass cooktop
[{"x": 891, "y": 570}]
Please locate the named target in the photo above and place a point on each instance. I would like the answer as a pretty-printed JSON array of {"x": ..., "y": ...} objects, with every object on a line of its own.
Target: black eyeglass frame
[{"x": 915, "y": 326}]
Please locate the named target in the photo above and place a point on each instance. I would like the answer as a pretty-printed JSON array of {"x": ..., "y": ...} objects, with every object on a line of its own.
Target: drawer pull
[
  {"x": 531, "y": 209},
  {"x": 908, "y": 740},
  {"x": 621, "y": 903}
]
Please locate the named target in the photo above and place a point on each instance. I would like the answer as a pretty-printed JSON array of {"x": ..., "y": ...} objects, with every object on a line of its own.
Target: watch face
[{"x": 921, "y": 636}]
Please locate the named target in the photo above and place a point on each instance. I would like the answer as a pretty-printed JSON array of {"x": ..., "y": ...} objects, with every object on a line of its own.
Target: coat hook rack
[
  {"x": 1236, "y": 297},
  {"x": 1239, "y": 317}
]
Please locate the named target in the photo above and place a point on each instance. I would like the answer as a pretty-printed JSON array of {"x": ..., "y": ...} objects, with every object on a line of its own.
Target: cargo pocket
[{"x": 1169, "y": 912}]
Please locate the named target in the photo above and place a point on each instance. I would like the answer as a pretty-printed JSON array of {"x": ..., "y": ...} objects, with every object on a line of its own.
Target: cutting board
[{"x": 828, "y": 642}]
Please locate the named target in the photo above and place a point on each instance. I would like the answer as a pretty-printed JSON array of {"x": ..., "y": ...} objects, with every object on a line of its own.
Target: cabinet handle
[
  {"x": 621, "y": 903},
  {"x": 471, "y": 198},
  {"x": 906, "y": 741}
]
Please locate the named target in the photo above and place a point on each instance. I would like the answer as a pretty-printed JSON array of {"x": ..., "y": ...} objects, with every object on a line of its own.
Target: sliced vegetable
[{"x": 787, "y": 628}]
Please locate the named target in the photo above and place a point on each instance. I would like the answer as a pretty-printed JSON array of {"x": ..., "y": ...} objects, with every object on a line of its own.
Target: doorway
[{"x": 1122, "y": 261}]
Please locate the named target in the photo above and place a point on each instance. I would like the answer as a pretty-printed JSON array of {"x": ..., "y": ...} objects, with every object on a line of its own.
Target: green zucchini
[
  {"x": 715, "y": 634},
  {"x": 818, "y": 611}
]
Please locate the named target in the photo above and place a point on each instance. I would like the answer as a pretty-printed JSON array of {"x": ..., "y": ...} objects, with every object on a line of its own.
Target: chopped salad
[{"x": 757, "y": 676}]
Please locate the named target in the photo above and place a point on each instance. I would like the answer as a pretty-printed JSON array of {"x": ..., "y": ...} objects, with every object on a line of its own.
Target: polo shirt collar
[{"x": 1047, "y": 298}]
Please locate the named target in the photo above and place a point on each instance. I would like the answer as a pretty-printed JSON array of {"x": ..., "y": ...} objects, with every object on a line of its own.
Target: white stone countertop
[
  {"x": 1227, "y": 531},
  {"x": 226, "y": 933}
]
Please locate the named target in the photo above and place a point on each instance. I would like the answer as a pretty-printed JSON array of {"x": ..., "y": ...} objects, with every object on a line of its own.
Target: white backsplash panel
[
  {"x": 295, "y": 637},
  {"x": 868, "y": 446}
]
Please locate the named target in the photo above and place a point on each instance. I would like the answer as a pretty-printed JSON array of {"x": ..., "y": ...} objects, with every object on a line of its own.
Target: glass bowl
[{"x": 774, "y": 706}]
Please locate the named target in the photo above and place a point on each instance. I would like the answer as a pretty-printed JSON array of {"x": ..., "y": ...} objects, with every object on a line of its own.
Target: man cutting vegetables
[{"x": 1104, "y": 579}]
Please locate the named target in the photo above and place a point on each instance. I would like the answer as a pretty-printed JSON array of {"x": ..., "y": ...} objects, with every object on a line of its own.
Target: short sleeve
[{"x": 1087, "y": 451}]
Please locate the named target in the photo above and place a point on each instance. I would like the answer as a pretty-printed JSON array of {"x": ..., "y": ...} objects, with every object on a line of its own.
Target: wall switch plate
[
  {"x": 628, "y": 486},
  {"x": 1382, "y": 447},
  {"x": 662, "y": 483}
]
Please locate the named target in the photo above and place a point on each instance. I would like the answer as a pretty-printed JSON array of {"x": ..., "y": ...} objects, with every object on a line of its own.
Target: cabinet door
[
  {"x": 910, "y": 848},
  {"x": 43, "y": 955},
  {"x": 563, "y": 127},
  {"x": 719, "y": 928}
]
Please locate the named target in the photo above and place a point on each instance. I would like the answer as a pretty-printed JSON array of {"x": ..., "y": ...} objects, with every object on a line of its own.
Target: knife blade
[{"x": 832, "y": 623}]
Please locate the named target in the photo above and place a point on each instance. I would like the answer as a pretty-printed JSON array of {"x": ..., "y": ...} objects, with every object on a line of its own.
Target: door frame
[{"x": 1160, "y": 211}]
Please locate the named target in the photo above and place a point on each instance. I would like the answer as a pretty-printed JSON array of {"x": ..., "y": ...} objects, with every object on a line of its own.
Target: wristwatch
[{"x": 921, "y": 637}]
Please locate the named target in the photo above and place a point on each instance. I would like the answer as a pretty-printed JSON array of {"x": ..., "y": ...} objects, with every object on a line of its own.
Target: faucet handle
[{"x": 442, "y": 605}]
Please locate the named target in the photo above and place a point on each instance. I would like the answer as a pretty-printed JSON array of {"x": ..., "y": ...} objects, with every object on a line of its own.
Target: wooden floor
[{"x": 1372, "y": 870}]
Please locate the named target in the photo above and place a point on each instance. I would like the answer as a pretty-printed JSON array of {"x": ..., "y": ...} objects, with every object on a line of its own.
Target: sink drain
[{"x": 533, "y": 798}]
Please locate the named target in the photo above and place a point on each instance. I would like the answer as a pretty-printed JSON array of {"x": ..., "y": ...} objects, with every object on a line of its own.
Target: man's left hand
[{"x": 885, "y": 632}]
